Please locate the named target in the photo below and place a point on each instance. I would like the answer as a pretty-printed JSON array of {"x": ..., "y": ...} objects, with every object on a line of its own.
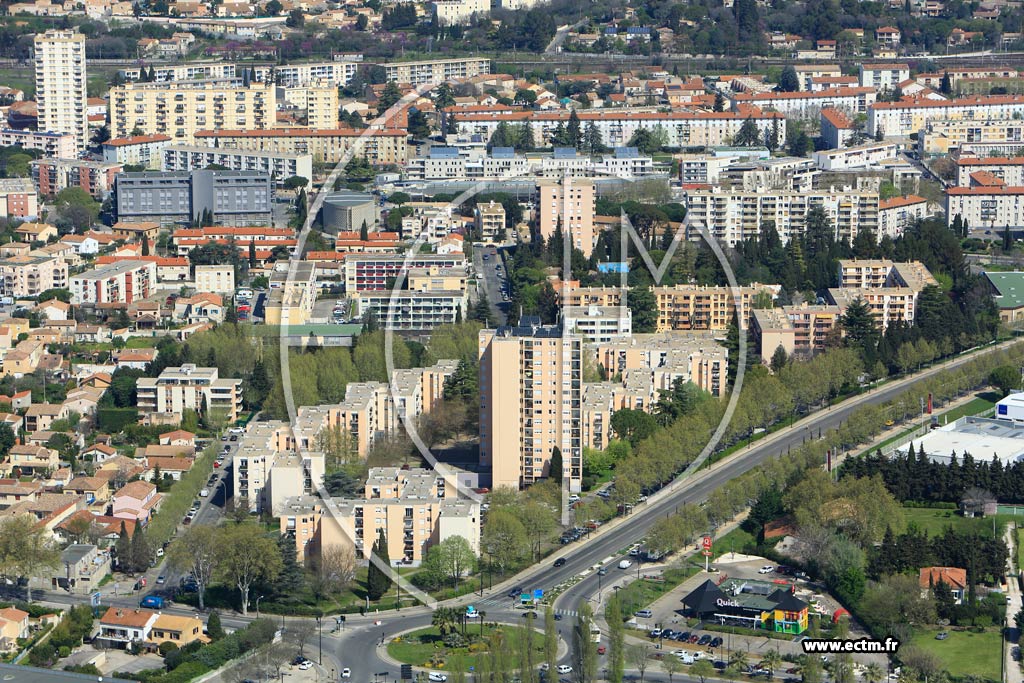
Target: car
[
  {"x": 668, "y": 634},
  {"x": 644, "y": 614},
  {"x": 941, "y": 635},
  {"x": 234, "y": 437},
  {"x": 560, "y": 562},
  {"x": 603, "y": 571},
  {"x": 716, "y": 641},
  {"x": 694, "y": 638},
  {"x": 682, "y": 636},
  {"x": 654, "y": 633},
  {"x": 298, "y": 660},
  {"x": 306, "y": 665},
  {"x": 564, "y": 669},
  {"x": 346, "y": 673},
  {"x": 161, "y": 579},
  {"x": 438, "y": 677},
  {"x": 515, "y": 592},
  {"x": 704, "y": 640},
  {"x": 558, "y": 616},
  {"x": 767, "y": 569},
  {"x": 625, "y": 564},
  {"x": 601, "y": 649},
  {"x": 159, "y": 552},
  {"x": 236, "y": 430},
  {"x": 216, "y": 463}
]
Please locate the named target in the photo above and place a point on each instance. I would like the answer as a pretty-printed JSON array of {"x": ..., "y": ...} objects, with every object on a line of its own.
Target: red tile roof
[{"x": 896, "y": 202}]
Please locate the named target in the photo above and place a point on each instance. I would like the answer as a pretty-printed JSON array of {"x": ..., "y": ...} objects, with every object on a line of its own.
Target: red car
[
  {"x": 600, "y": 649},
  {"x": 216, "y": 464}
]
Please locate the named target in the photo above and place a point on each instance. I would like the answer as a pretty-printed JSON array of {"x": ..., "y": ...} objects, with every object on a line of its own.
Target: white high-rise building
[{"x": 61, "y": 84}]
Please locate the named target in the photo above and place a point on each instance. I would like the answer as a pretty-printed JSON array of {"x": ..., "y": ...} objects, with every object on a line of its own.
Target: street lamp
[
  {"x": 320, "y": 632},
  {"x": 258, "y": 606}
]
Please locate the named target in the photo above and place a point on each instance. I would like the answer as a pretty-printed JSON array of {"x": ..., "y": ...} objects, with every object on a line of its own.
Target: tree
[
  {"x": 550, "y": 638},
  {"x": 213, "y": 625},
  {"x": 1005, "y": 378},
  {"x": 616, "y": 639},
  {"x": 377, "y": 580},
  {"x": 504, "y": 539},
  {"x": 643, "y": 308},
  {"x": 672, "y": 666},
  {"x": 453, "y": 557},
  {"x": 7, "y": 438},
  {"x": 291, "y": 578},
  {"x": 249, "y": 555},
  {"x": 584, "y": 651},
  {"x": 748, "y": 135},
  {"x": 574, "y": 135},
  {"x": 771, "y": 659},
  {"x": 719, "y": 101},
  {"x": 296, "y": 19},
  {"x": 779, "y": 359},
  {"x": 860, "y": 325},
  {"x": 141, "y": 553},
  {"x": 388, "y": 98},
  {"x": 273, "y": 8},
  {"x": 446, "y": 620},
  {"x": 702, "y": 669},
  {"x": 26, "y": 549},
  {"x": 639, "y": 657},
  {"x": 332, "y": 570},
  {"x": 556, "y": 466},
  {"x": 873, "y": 673},
  {"x": 123, "y": 549},
  {"x": 789, "y": 81}
]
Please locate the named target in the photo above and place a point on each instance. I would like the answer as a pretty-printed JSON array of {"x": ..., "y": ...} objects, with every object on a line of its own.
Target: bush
[
  {"x": 43, "y": 654},
  {"x": 63, "y": 651},
  {"x": 113, "y": 420},
  {"x": 89, "y": 669},
  {"x": 166, "y": 648}
]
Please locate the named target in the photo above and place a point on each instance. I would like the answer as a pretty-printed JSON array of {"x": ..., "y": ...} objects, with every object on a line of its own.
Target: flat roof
[{"x": 32, "y": 674}]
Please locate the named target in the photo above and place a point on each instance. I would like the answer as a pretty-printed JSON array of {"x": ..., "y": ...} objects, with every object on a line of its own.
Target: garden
[{"x": 463, "y": 645}]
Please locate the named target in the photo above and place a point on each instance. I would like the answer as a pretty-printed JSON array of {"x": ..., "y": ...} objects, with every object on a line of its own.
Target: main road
[{"x": 358, "y": 644}]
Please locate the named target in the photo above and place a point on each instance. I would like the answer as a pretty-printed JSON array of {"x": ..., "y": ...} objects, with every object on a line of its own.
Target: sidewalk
[{"x": 1011, "y": 666}]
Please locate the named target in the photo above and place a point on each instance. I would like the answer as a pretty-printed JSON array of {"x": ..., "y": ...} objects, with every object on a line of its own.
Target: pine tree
[
  {"x": 555, "y": 467},
  {"x": 364, "y": 232},
  {"x": 291, "y": 578},
  {"x": 140, "y": 552},
  {"x": 123, "y": 549},
  {"x": 574, "y": 134},
  {"x": 213, "y": 626},
  {"x": 377, "y": 581},
  {"x": 593, "y": 142},
  {"x": 252, "y": 253},
  {"x": 145, "y": 245}
]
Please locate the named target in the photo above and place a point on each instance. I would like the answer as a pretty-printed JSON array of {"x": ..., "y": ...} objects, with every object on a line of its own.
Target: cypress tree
[
  {"x": 123, "y": 548},
  {"x": 377, "y": 581}
]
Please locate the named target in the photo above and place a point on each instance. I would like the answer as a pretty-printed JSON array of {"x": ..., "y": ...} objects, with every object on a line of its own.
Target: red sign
[{"x": 706, "y": 543}]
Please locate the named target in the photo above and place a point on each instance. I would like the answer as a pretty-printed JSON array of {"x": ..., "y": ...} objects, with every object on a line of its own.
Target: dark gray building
[
  {"x": 235, "y": 198},
  {"x": 345, "y": 211}
]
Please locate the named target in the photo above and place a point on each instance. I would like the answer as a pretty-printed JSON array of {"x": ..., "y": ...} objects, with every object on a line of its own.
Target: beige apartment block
[
  {"x": 61, "y": 84},
  {"x": 690, "y": 356},
  {"x": 29, "y": 275},
  {"x": 216, "y": 279},
  {"x": 799, "y": 330},
  {"x": 704, "y": 307},
  {"x": 490, "y": 220},
  {"x": 319, "y": 99},
  {"x": 569, "y": 204},
  {"x": 414, "y": 508},
  {"x": 329, "y": 146},
  {"x": 193, "y": 388},
  {"x": 181, "y": 108},
  {"x": 530, "y": 394}
]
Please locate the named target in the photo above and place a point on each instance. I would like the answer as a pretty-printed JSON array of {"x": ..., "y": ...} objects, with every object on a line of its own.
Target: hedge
[
  {"x": 178, "y": 499},
  {"x": 113, "y": 420}
]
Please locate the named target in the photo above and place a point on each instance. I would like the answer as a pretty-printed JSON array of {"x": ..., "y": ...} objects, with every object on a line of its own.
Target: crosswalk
[{"x": 504, "y": 601}]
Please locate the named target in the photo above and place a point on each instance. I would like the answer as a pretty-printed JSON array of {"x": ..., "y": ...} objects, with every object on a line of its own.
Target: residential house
[
  {"x": 136, "y": 500},
  {"x": 13, "y": 625},
  {"x": 14, "y": 491},
  {"x": 98, "y": 453},
  {"x": 81, "y": 569},
  {"x": 41, "y": 416},
  {"x": 54, "y": 309},
  {"x": 121, "y": 627},
  {"x": 954, "y": 577},
  {"x": 180, "y": 630},
  {"x": 27, "y": 459},
  {"x": 179, "y": 437},
  {"x": 96, "y": 490}
]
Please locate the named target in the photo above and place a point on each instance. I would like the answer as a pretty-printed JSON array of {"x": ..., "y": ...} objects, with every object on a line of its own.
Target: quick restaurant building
[{"x": 755, "y": 604}]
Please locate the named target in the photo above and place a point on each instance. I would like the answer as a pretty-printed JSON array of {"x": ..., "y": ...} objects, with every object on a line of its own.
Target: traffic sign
[
  {"x": 538, "y": 593},
  {"x": 94, "y": 599}
]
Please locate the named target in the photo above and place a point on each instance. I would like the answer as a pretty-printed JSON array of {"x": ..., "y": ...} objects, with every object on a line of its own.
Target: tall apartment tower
[
  {"x": 569, "y": 202},
  {"x": 530, "y": 402},
  {"x": 61, "y": 84}
]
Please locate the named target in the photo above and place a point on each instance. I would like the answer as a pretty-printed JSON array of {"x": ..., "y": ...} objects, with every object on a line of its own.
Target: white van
[
  {"x": 625, "y": 564},
  {"x": 204, "y": 493}
]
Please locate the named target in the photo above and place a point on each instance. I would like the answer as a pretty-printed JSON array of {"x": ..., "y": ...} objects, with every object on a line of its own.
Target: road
[
  {"x": 492, "y": 276},
  {"x": 560, "y": 35}
]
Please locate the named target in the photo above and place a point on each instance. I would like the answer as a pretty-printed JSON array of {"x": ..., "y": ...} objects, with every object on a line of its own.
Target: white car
[
  {"x": 767, "y": 569},
  {"x": 564, "y": 669},
  {"x": 434, "y": 676},
  {"x": 306, "y": 665},
  {"x": 346, "y": 673}
]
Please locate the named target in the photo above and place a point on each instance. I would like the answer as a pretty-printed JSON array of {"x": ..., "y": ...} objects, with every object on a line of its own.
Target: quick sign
[{"x": 726, "y": 603}]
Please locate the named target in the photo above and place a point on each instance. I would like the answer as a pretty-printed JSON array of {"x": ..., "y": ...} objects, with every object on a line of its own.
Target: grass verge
[{"x": 964, "y": 653}]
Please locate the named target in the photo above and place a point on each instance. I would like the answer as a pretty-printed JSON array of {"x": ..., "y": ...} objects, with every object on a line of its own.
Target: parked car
[
  {"x": 436, "y": 677},
  {"x": 644, "y": 614},
  {"x": 560, "y": 562}
]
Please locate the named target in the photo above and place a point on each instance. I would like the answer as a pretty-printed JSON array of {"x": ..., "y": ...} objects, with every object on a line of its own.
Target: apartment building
[
  {"x": 215, "y": 278},
  {"x": 569, "y": 205},
  {"x": 991, "y": 207},
  {"x": 836, "y": 128},
  {"x": 807, "y": 74},
  {"x": 279, "y": 166},
  {"x": 436, "y": 71},
  {"x": 1009, "y": 171},
  {"x": 384, "y": 146},
  {"x": 252, "y": 461},
  {"x": 136, "y": 150},
  {"x": 901, "y": 119},
  {"x": 414, "y": 509},
  {"x": 51, "y": 144},
  {"x": 803, "y": 104},
  {"x": 318, "y": 99},
  {"x": 598, "y": 324},
  {"x": 61, "y": 84},
  {"x": 530, "y": 400},
  {"x": 703, "y": 307},
  {"x": 617, "y": 127},
  {"x": 180, "y": 108},
  {"x": 191, "y": 71},
  {"x": 890, "y": 289},
  {"x": 449, "y": 12},
  {"x": 800, "y": 330},
  {"x": 883, "y": 77},
  {"x": 942, "y": 137},
  {"x": 701, "y": 169},
  {"x": 372, "y": 272},
  {"x": 957, "y": 75},
  {"x": 18, "y": 198},
  {"x": 340, "y": 72},
  {"x": 431, "y": 297},
  {"x": 233, "y": 197},
  {"x": 95, "y": 177},
  {"x": 123, "y": 282},
  {"x": 694, "y": 357},
  {"x": 489, "y": 220},
  {"x": 733, "y": 216},
  {"x": 31, "y": 275},
  {"x": 193, "y": 388},
  {"x": 860, "y": 156},
  {"x": 897, "y": 214}
]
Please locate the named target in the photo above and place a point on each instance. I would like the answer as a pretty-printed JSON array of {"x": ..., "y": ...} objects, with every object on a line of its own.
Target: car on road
[
  {"x": 558, "y": 616},
  {"x": 601, "y": 649},
  {"x": 438, "y": 677},
  {"x": 306, "y": 665},
  {"x": 654, "y": 633},
  {"x": 625, "y": 564},
  {"x": 564, "y": 669},
  {"x": 515, "y": 592},
  {"x": 560, "y": 562},
  {"x": 161, "y": 579},
  {"x": 346, "y": 673}
]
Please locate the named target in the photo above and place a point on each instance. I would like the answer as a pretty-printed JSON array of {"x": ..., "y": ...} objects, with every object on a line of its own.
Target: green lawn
[
  {"x": 424, "y": 647},
  {"x": 641, "y": 593},
  {"x": 1020, "y": 549},
  {"x": 965, "y": 653},
  {"x": 736, "y": 540},
  {"x": 933, "y": 521}
]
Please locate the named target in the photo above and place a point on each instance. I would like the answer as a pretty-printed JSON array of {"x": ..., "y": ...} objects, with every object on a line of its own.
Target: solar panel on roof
[{"x": 565, "y": 153}]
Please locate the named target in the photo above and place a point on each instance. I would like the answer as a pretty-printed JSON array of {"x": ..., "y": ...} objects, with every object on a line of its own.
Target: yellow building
[
  {"x": 319, "y": 99},
  {"x": 176, "y": 629},
  {"x": 180, "y": 108},
  {"x": 329, "y": 146},
  {"x": 569, "y": 204},
  {"x": 701, "y": 307}
]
